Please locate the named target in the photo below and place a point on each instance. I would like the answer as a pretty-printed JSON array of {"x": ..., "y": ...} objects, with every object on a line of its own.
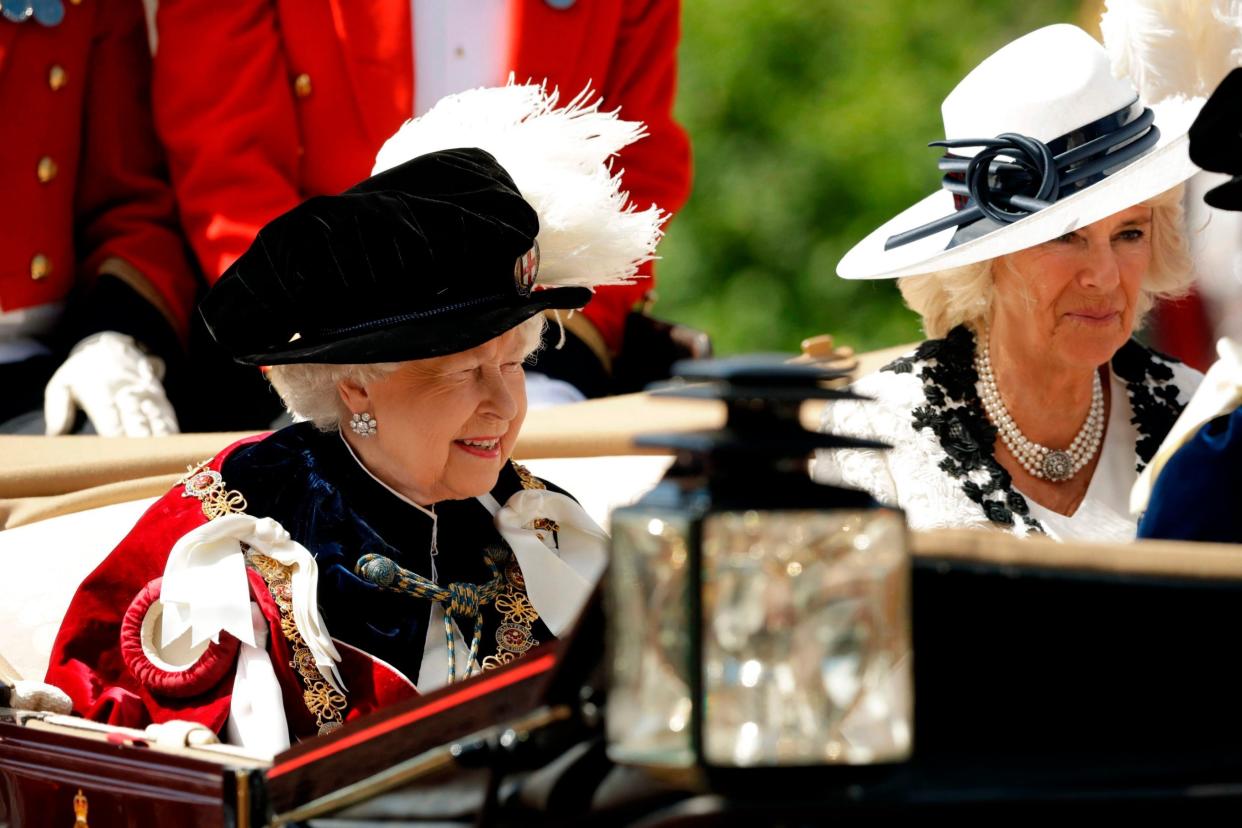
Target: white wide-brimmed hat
[{"x": 1041, "y": 140}]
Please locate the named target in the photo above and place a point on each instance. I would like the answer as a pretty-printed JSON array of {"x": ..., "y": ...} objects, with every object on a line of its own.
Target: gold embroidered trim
[
  {"x": 516, "y": 607},
  {"x": 529, "y": 481},
  {"x": 494, "y": 661},
  {"x": 541, "y": 525},
  {"x": 324, "y": 702},
  {"x": 514, "y": 636},
  {"x": 208, "y": 486}
]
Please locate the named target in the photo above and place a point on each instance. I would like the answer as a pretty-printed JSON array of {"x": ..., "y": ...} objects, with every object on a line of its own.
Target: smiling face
[
  {"x": 446, "y": 425},
  {"x": 1073, "y": 300}
]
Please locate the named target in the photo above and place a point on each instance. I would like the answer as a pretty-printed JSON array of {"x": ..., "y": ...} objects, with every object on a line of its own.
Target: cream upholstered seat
[{"x": 43, "y": 564}]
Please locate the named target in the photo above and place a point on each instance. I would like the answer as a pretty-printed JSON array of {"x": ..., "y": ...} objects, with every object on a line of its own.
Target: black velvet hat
[
  {"x": 1216, "y": 141},
  {"x": 434, "y": 256}
]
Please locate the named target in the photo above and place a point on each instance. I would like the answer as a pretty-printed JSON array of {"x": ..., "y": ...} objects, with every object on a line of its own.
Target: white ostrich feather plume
[
  {"x": 1173, "y": 47},
  {"x": 560, "y": 159}
]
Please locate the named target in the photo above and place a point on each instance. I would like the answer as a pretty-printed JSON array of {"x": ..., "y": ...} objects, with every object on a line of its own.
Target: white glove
[
  {"x": 39, "y": 697},
  {"x": 115, "y": 383},
  {"x": 180, "y": 733}
]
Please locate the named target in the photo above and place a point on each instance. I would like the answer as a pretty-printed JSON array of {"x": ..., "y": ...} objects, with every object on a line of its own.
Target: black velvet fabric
[
  {"x": 112, "y": 305},
  {"x": 308, "y": 481},
  {"x": 418, "y": 261},
  {"x": 23, "y": 383},
  {"x": 1216, "y": 141}
]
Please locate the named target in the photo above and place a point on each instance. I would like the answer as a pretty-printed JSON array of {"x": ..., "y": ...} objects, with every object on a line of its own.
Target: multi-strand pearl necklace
[{"x": 1057, "y": 465}]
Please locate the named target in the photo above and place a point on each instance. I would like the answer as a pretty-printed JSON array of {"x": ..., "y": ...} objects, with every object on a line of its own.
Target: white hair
[
  {"x": 309, "y": 390},
  {"x": 963, "y": 295}
]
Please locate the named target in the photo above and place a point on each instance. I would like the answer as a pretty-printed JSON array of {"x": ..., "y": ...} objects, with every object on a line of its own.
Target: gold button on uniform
[
  {"x": 46, "y": 170},
  {"x": 302, "y": 85},
  {"x": 57, "y": 78},
  {"x": 40, "y": 267}
]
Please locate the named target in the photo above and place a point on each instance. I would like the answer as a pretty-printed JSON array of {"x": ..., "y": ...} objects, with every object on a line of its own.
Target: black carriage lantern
[{"x": 757, "y": 618}]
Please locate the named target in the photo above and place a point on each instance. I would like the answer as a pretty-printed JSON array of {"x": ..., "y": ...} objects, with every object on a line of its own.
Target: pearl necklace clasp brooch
[{"x": 1057, "y": 465}]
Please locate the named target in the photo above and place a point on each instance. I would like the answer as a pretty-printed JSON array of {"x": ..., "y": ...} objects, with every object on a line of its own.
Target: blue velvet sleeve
[{"x": 1198, "y": 495}]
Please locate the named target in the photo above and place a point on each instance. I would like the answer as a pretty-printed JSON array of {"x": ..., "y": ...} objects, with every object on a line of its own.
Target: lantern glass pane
[
  {"x": 806, "y": 638},
  {"x": 648, "y": 713}
]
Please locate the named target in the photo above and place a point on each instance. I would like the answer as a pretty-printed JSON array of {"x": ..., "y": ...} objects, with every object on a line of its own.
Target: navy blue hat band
[
  {"x": 1014, "y": 175},
  {"x": 412, "y": 316}
]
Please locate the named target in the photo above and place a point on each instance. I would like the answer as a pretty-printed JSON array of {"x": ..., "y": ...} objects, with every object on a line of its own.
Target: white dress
[{"x": 942, "y": 468}]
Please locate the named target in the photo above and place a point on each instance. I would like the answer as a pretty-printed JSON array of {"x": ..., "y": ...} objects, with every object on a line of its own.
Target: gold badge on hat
[{"x": 526, "y": 270}]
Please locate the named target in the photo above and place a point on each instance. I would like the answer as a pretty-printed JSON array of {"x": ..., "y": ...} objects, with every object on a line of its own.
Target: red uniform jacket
[
  {"x": 83, "y": 187},
  {"x": 90, "y": 661},
  {"x": 262, "y": 103},
  {"x": 1180, "y": 328}
]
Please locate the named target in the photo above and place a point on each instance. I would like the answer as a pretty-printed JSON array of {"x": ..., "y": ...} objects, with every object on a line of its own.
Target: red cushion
[{"x": 212, "y": 666}]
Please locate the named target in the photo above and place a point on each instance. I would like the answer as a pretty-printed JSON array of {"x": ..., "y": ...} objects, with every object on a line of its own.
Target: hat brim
[
  {"x": 423, "y": 338},
  {"x": 1164, "y": 167}
]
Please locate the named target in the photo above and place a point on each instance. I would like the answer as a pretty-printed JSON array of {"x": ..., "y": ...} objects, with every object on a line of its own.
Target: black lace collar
[
  {"x": 955, "y": 416},
  {"x": 1153, "y": 396}
]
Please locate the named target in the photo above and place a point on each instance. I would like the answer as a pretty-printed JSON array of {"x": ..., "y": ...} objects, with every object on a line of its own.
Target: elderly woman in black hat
[
  {"x": 1031, "y": 408},
  {"x": 385, "y": 545}
]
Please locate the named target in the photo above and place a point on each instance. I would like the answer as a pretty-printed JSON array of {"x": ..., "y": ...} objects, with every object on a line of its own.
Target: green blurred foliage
[{"x": 810, "y": 122}]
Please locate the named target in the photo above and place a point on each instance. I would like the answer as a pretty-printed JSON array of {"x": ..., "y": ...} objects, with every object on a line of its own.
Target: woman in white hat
[{"x": 1030, "y": 408}]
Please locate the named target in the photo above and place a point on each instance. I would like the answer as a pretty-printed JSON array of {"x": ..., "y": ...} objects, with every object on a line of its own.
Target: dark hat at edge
[
  {"x": 1216, "y": 141},
  {"x": 432, "y": 257}
]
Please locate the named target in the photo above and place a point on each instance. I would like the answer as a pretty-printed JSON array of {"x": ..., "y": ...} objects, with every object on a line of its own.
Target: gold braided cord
[
  {"x": 459, "y": 597},
  {"x": 466, "y": 600},
  {"x": 514, "y": 636}
]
